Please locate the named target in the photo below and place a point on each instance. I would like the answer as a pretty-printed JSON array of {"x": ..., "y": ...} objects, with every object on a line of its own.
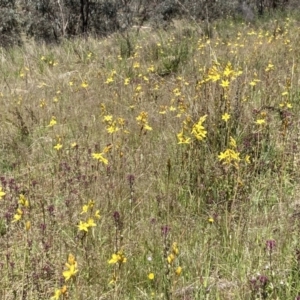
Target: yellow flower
[
  {"x": 270, "y": 67},
  {"x": 182, "y": 138},
  {"x": 97, "y": 214},
  {"x": 210, "y": 220},
  {"x": 58, "y": 146},
  {"x": 126, "y": 81},
  {"x": 178, "y": 271},
  {"x": 112, "y": 128},
  {"x": 198, "y": 130},
  {"x": 138, "y": 88},
  {"x": 213, "y": 74},
  {"x": 109, "y": 80},
  {"x": 163, "y": 110},
  {"x": 52, "y": 122},
  {"x": 151, "y": 276},
  {"x": 71, "y": 259},
  {"x": 84, "y": 84},
  {"x": 91, "y": 222},
  {"x": 18, "y": 215},
  {"x": 142, "y": 117},
  {"x": 114, "y": 259},
  {"x": 119, "y": 258},
  {"x": 71, "y": 272},
  {"x": 43, "y": 103},
  {"x": 170, "y": 258},
  {"x": 136, "y": 65},
  {"x": 23, "y": 201},
  {"x": 85, "y": 209},
  {"x": 254, "y": 82},
  {"x": 21, "y": 74},
  {"x": 100, "y": 158},
  {"x": 151, "y": 68},
  {"x": 17, "y": 218},
  {"x": 226, "y": 117},
  {"x": 72, "y": 269},
  {"x": 57, "y": 294},
  {"x": 225, "y": 83},
  {"x": 107, "y": 118},
  {"x": 147, "y": 127},
  {"x": 64, "y": 289},
  {"x": 228, "y": 70},
  {"x": 177, "y": 92},
  {"x": 175, "y": 249},
  {"x": 2, "y": 194},
  {"x": 229, "y": 156},
  {"x": 260, "y": 121},
  {"x": 232, "y": 142},
  {"x": 247, "y": 159},
  {"x": 27, "y": 225},
  {"x": 107, "y": 148},
  {"x": 83, "y": 226}
]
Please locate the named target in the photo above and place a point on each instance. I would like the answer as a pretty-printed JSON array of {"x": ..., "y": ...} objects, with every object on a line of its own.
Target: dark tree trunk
[
  {"x": 260, "y": 7},
  {"x": 84, "y": 8}
]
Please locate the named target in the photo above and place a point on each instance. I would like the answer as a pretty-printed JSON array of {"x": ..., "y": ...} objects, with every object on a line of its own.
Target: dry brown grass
[{"x": 153, "y": 191}]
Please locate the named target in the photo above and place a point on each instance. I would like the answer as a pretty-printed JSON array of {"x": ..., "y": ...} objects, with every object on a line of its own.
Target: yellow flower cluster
[
  {"x": 23, "y": 204},
  {"x": 100, "y": 158},
  {"x": 111, "y": 125},
  {"x": 197, "y": 131},
  {"x": 71, "y": 267},
  {"x": 59, "y": 292},
  {"x": 226, "y": 75},
  {"x": 230, "y": 155},
  {"x": 49, "y": 60},
  {"x": 172, "y": 256},
  {"x": 118, "y": 258},
  {"x": 52, "y": 122},
  {"x": 111, "y": 77},
  {"x": 142, "y": 120},
  {"x": 90, "y": 221}
]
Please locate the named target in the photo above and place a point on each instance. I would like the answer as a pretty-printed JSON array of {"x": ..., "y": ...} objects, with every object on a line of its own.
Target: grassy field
[{"x": 153, "y": 165}]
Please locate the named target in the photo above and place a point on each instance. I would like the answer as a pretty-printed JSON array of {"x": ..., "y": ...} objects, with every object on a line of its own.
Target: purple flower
[
  {"x": 165, "y": 230},
  {"x": 51, "y": 210},
  {"x": 270, "y": 245},
  {"x": 263, "y": 280},
  {"x": 130, "y": 179},
  {"x": 116, "y": 216},
  {"x": 259, "y": 282},
  {"x": 43, "y": 227}
]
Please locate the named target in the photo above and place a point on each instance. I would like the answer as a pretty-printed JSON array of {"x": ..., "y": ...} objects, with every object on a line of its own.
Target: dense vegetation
[
  {"x": 52, "y": 21},
  {"x": 153, "y": 164}
]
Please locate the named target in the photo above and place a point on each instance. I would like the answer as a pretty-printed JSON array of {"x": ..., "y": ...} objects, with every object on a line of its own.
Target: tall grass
[{"x": 157, "y": 166}]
